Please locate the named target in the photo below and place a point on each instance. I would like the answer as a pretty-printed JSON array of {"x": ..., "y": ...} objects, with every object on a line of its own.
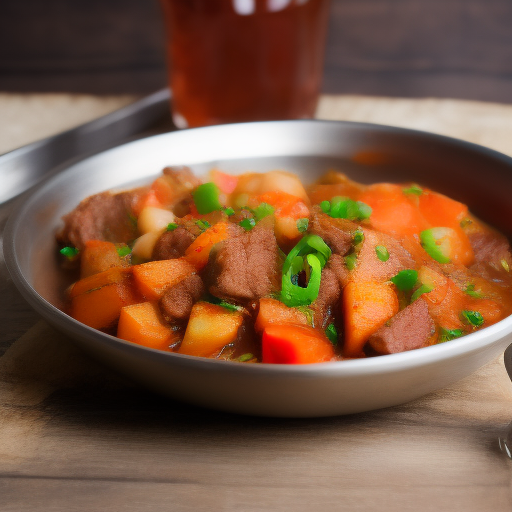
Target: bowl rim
[{"x": 389, "y": 363}]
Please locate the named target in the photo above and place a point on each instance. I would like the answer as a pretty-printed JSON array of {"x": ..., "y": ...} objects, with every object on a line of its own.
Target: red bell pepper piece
[{"x": 295, "y": 344}]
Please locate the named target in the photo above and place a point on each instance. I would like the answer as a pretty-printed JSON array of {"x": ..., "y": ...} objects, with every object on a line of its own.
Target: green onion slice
[
  {"x": 351, "y": 261},
  {"x": 203, "y": 225},
  {"x": 346, "y": 208},
  {"x": 332, "y": 333},
  {"x": 172, "y": 226},
  {"x": 382, "y": 253},
  {"x": 310, "y": 255},
  {"x": 247, "y": 224},
  {"x": 358, "y": 237},
  {"x": 229, "y": 211},
  {"x": 263, "y": 210},
  {"x": 413, "y": 189},
  {"x": 470, "y": 290},
  {"x": 246, "y": 357},
  {"x": 437, "y": 243},
  {"x": 123, "y": 251},
  {"x": 69, "y": 252},
  {"x": 405, "y": 279}
]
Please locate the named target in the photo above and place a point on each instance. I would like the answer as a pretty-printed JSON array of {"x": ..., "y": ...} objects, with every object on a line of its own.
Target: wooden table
[{"x": 75, "y": 437}]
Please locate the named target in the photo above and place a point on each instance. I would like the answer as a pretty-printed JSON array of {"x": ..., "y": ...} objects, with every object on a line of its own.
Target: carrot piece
[
  {"x": 98, "y": 256},
  {"x": 111, "y": 276},
  {"x": 100, "y": 307},
  {"x": 295, "y": 344},
  {"x": 198, "y": 252},
  {"x": 143, "y": 324},
  {"x": 209, "y": 329},
  {"x": 367, "y": 306},
  {"x": 439, "y": 210},
  {"x": 154, "y": 277},
  {"x": 393, "y": 212},
  {"x": 445, "y": 304},
  {"x": 164, "y": 191},
  {"x": 272, "y": 311},
  {"x": 286, "y": 205}
]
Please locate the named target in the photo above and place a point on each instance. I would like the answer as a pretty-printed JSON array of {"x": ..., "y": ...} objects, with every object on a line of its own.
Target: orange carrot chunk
[
  {"x": 294, "y": 344},
  {"x": 367, "y": 306},
  {"x": 198, "y": 252},
  {"x": 111, "y": 276},
  {"x": 100, "y": 308},
  {"x": 439, "y": 210},
  {"x": 393, "y": 211},
  {"x": 209, "y": 329},
  {"x": 154, "y": 277},
  {"x": 143, "y": 324}
]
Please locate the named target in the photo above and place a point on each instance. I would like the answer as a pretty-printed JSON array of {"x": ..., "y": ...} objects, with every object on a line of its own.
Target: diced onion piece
[
  {"x": 154, "y": 219},
  {"x": 144, "y": 245}
]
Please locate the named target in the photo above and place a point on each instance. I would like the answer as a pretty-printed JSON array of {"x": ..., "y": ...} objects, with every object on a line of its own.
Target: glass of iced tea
[{"x": 244, "y": 60}]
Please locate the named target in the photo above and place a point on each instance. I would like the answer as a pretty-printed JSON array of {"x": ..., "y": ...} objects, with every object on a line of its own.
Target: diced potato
[
  {"x": 98, "y": 256},
  {"x": 284, "y": 182},
  {"x": 144, "y": 245},
  {"x": 143, "y": 324},
  {"x": 153, "y": 278},
  {"x": 154, "y": 219},
  {"x": 210, "y": 328},
  {"x": 273, "y": 311}
]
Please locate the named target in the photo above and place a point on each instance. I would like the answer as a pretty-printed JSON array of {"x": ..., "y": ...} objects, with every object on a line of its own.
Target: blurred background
[{"x": 398, "y": 48}]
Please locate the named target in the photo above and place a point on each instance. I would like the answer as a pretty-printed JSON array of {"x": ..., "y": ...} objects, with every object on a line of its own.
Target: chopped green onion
[
  {"x": 382, "y": 253},
  {"x": 310, "y": 254},
  {"x": 351, "y": 261},
  {"x": 70, "y": 252},
  {"x": 473, "y": 318},
  {"x": 470, "y": 290},
  {"x": 332, "y": 334},
  {"x": 435, "y": 241},
  {"x": 465, "y": 222},
  {"x": 206, "y": 198},
  {"x": 203, "y": 225},
  {"x": 172, "y": 226},
  {"x": 405, "y": 279},
  {"x": 263, "y": 210},
  {"x": 414, "y": 189},
  {"x": 123, "y": 251},
  {"x": 358, "y": 236},
  {"x": 449, "y": 334},
  {"x": 345, "y": 208},
  {"x": 229, "y": 211},
  {"x": 247, "y": 224},
  {"x": 505, "y": 265},
  {"x": 246, "y": 357},
  {"x": 228, "y": 305},
  {"x": 325, "y": 206},
  {"x": 302, "y": 225},
  {"x": 424, "y": 288}
]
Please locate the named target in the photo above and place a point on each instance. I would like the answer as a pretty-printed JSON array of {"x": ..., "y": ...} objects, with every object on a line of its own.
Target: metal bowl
[{"x": 477, "y": 176}]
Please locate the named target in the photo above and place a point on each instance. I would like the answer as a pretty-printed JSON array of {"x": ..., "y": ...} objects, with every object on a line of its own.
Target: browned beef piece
[
  {"x": 104, "y": 216},
  {"x": 407, "y": 330},
  {"x": 245, "y": 266},
  {"x": 370, "y": 268},
  {"x": 491, "y": 248},
  {"x": 177, "y": 301},
  {"x": 328, "y": 298},
  {"x": 172, "y": 244},
  {"x": 336, "y": 233},
  {"x": 337, "y": 264}
]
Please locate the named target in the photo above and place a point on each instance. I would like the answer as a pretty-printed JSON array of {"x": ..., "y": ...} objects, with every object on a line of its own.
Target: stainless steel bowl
[{"x": 480, "y": 177}]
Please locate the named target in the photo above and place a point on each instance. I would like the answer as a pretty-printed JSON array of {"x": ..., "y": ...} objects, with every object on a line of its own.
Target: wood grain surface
[
  {"x": 74, "y": 436},
  {"x": 415, "y": 48}
]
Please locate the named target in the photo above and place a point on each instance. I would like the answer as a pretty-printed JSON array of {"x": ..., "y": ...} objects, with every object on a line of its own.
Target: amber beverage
[{"x": 244, "y": 60}]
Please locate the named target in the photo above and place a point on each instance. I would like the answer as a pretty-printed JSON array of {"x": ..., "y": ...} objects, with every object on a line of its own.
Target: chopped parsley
[{"x": 473, "y": 318}]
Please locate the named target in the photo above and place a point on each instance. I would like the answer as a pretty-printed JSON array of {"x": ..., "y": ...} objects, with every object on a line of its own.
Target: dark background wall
[{"x": 447, "y": 48}]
